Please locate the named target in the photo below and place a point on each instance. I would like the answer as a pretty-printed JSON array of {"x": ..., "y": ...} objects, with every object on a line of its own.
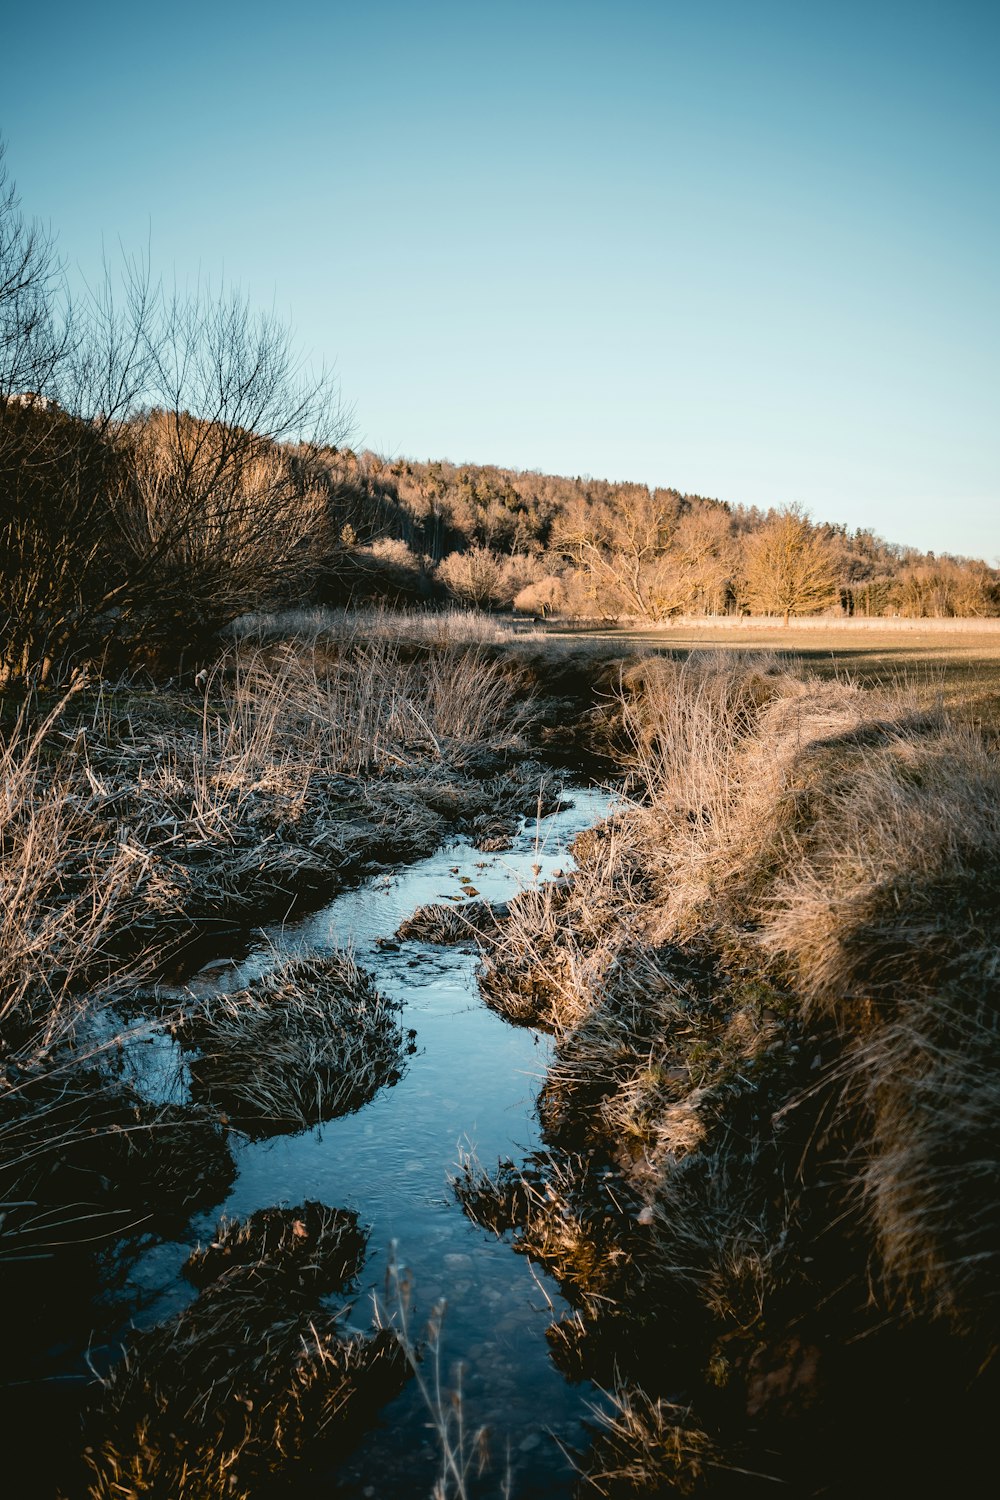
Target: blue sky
[{"x": 747, "y": 249}]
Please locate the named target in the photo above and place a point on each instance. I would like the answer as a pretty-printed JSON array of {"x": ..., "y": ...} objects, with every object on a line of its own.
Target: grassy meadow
[{"x": 955, "y": 663}]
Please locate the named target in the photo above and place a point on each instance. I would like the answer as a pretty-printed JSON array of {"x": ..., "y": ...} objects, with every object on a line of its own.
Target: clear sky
[{"x": 747, "y": 248}]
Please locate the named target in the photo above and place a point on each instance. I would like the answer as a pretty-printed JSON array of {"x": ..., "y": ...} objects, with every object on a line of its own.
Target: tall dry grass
[
  {"x": 346, "y": 627},
  {"x": 772, "y": 980},
  {"x": 66, "y": 885},
  {"x": 358, "y": 709}
]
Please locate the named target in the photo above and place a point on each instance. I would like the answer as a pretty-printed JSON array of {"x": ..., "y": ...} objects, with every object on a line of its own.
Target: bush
[{"x": 488, "y": 579}]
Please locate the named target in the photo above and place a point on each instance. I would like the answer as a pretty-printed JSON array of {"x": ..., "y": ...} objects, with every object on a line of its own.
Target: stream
[{"x": 471, "y": 1085}]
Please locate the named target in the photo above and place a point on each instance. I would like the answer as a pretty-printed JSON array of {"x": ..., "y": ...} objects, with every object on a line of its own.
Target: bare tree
[
  {"x": 35, "y": 334},
  {"x": 157, "y": 475},
  {"x": 621, "y": 545},
  {"x": 790, "y": 566},
  {"x": 226, "y": 496}
]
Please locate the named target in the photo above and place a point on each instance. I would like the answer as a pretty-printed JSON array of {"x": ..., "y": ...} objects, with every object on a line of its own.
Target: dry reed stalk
[{"x": 464, "y": 1455}]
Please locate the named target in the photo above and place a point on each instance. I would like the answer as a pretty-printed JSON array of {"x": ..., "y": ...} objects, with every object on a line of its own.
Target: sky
[{"x": 745, "y": 248}]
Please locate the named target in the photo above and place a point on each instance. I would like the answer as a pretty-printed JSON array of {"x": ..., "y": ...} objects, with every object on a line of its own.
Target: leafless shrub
[{"x": 488, "y": 579}]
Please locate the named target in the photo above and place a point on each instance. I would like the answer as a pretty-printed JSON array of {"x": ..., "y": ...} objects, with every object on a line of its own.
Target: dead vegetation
[
  {"x": 645, "y": 1446},
  {"x": 448, "y": 922},
  {"x": 772, "y": 1113},
  {"x": 438, "y": 628},
  {"x": 254, "y": 1374},
  {"x": 312, "y": 1244},
  {"x": 134, "y": 819},
  {"x": 309, "y": 1040},
  {"x": 141, "y": 825}
]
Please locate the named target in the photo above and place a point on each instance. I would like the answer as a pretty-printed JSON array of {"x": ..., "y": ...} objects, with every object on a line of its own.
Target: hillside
[{"x": 591, "y": 546}]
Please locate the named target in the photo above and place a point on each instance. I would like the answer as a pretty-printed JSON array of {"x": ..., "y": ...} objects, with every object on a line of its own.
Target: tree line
[{"x": 579, "y": 546}]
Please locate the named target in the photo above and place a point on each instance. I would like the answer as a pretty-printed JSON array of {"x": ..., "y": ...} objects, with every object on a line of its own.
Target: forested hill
[{"x": 582, "y": 545}]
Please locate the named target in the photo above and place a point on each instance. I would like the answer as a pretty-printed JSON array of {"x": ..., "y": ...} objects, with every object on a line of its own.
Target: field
[{"x": 952, "y": 662}]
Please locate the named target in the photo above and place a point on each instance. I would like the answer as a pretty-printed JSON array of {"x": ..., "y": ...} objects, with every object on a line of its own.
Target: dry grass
[
  {"x": 309, "y": 1040},
  {"x": 439, "y": 628},
  {"x": 252, "y": 1375},
  {"x": 954, "y": 663},
  {"x": 566, "y": 1212},
  {"x": 310, "y": 1245},
  {"x": 66, "y": 885},
  {"x": 446, "y": 922},
  {"x": 131, "y": 816},
  {"x": 772, "y": 981},
  {"x": 125, "y": 809},
  {"x": 645, "y": 1446}
]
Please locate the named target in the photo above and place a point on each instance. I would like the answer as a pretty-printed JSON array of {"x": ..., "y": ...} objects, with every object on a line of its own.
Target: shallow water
[{"x": 470, "y": 1085}]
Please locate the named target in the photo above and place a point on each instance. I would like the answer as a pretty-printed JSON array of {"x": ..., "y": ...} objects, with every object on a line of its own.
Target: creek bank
[
  {"x": 74, "y": 1301},
  {"x": 767, "y": 1181},
  {"x": 175, "y": 824},
  {"x": 390, "y": 1161},
  {"x": 255, "y": 1372}
]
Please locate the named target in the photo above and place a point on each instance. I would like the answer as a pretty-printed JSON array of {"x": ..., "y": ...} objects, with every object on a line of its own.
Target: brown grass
[
  {"x": 439, "y": 628},
  {"x": 130, "y": 816},
  {"x": 950, "y": 663},
  {"x": 310, "y": 1245},
  {"x": 645, "y": 1446},
  {"x": 309, "y": 1040},
  {"x": 450, "y": 922},
  {"x": 772, "y": 981},
  {"x": 250, "y": 1377}
]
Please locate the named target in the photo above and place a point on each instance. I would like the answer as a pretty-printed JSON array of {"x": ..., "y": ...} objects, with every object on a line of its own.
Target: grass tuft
[{"x": 309, "y": 1040}]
